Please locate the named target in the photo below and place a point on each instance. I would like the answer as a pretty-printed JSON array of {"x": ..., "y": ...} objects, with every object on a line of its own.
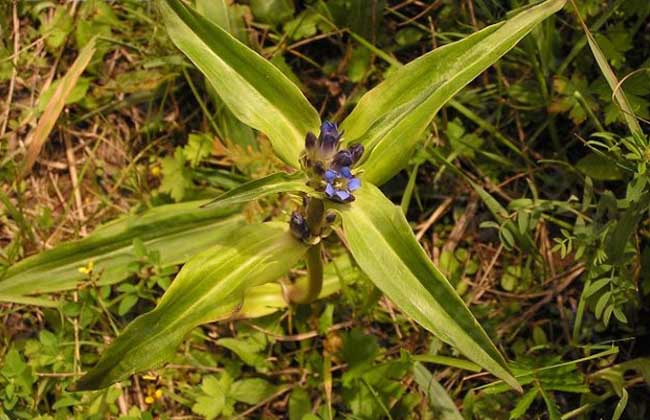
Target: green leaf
[
  {"x": 551, "y": 407},
  {"x": 625, "y": 227},
  {"x": 26, "y": 300},
  {"x": 258, "y": 188},
  {"x": 600, "y": 168},
  {"x": 176, "y": 176},
  {"x": 524, "y": 404},
  {"x": 199, "y": 146},
  {"x": 211, "y": 404},
  {"x": 252, "y": 391},
  {"x": 249, "y": 355},
  {"x": 210, "y": 286},
  {"x": 56, "y": 29},
  {"x": 272, "y": 11},
  {"x": 77, "y": 93},
  {"x": 443, "y": 406},
  {"x": 254, "y": 89},
  {"x": 620, "y": 406},
  {"x": 209, "y": 407},
  {"x": 175, "y": 231},
  {"x": 216, "y": 11},
  {"x": 359, "y": 352},
  {"x": 126, "y": 304},
  {"x": 13, "y": 364},
  {"x": 390, "y": 119},
  {"x": 299, "y": 404},
  {"x": 408, "y": 36},
  {"x": 601, "y": 303},
  {"x": 385, "y": 248},
  {"x": 595, "y": 286},
  {"x": 230, "y": 18},
  {"x": 619, "y": 95},
  {"x": 447, "y": 361},
  {"x": 364, "y": 18},
  {"x": 302, "y": 26}
]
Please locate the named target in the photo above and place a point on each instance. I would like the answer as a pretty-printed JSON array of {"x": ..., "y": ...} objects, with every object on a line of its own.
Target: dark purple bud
[
  {"x": 342, "y": 158},
  {"x": 356, "y": 150},
  {"x": 329, "y": 137},
  {"x": 310, "y": 141},
  {"x": 298, "y": 226}
]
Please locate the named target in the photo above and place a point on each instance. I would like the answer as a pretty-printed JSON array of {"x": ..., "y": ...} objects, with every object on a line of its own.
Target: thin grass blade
[{"x": 56, "y": 103}]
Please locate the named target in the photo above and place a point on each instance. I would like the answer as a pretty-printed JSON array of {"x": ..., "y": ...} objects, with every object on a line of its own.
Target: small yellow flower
[
  {"x": 155, "y": 171},
  {"x": 153, "y": 394},
  {"x": 88, "y": 268}
]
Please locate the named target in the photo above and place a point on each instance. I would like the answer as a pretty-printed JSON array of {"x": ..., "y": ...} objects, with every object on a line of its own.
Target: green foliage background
[{"x": 529, "y": 192}]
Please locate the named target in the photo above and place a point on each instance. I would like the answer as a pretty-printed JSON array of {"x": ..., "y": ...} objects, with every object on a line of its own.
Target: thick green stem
[
  {"x": 315, "y": 211},
  {"x": 307, "y": 289}
]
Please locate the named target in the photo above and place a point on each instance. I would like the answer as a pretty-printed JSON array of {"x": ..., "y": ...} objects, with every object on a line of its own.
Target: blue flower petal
[
  {"x": 329, "y": 190},
  {"x": 330, "y": 175},
  {"x": 328, "y": 126},
  {"x": 345, "y": 171},
  {"x": 342, "y": 195},
  {"x": 354, "y": 184}
]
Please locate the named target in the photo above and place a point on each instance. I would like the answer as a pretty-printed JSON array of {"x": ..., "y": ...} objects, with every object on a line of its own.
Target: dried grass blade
[{"x": 55, "y": 105}]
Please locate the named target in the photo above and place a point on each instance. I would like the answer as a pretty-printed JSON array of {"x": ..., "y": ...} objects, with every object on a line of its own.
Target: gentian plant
[{"x": 335, "y": 170}]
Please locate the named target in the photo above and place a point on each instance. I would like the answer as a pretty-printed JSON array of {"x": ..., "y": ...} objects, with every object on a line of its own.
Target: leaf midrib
[
  {"x": 296, "y": 132},
  {"x": 387, "y": 245},
  {"x": 179, "y": 318}
]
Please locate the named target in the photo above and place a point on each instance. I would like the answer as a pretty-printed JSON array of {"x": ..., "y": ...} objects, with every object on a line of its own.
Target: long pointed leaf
[
  {"x": 439, "y": 400},
  {"x": 258, "y": 188},
  {"x": 385, "y": 248},
  {"x": 253, "y": 88},
  {"x": 176, "y": 231},
  {"x": 618, "y": 95},
  {"x": 209, "y": 287},
  {"x": 419, "y": 89}
]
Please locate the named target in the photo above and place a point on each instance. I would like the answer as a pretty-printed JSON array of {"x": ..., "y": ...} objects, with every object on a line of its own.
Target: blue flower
[{"x": 340, "y": 184}]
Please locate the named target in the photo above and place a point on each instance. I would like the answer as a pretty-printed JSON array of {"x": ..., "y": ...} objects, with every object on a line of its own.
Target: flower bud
[
  {"x": 298, "y": 226},
  {"x": 310, "y": 141},
  {"x": 328, "y": 138},
  {"x": 342, "y": 158},
  {"x": 356, "y": 150}
]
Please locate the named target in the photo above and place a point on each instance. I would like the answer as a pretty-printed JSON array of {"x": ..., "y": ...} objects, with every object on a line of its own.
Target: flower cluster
[{"x": 328, "y": 168}]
